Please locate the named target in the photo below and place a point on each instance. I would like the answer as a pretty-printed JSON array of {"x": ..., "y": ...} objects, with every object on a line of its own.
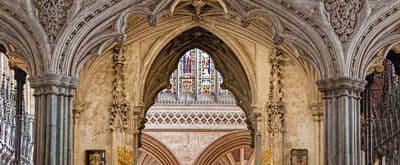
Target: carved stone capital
[
  {"x": 341, "y": 83},
  {"x": 317, "y": 111},
  {"x": 79, "y": 107},
  {"x": 53, "y": 84}
]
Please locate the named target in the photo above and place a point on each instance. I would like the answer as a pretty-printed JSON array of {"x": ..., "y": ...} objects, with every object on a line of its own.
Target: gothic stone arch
[{"x": 235, "y": 78}]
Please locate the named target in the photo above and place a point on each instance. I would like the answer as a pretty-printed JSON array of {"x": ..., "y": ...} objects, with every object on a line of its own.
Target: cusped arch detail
[
  {"x": 152, "y": 150},
  {"x": 223, "y": 146},
  {"x": 379, "y": 32}
]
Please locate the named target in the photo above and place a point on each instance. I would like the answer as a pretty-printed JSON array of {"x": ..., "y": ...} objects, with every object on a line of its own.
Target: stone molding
[
  {"x": 53, "y": 84},
  {"x": 341, "y": 83}
]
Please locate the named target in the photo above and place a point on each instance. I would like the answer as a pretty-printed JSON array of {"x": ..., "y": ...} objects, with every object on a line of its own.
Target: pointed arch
[
  {"x": 99, "y": 24},
  {"x": 379, "y": 32},
  {"x": 154, "y": 151},
  {"x": 226, "y": 61},
  {"x": 23, "y": 38},
  {"x": 221, "y": 149}
]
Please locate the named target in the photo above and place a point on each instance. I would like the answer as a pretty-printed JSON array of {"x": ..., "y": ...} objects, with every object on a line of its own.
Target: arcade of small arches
[{"x": 199, "y": 82}]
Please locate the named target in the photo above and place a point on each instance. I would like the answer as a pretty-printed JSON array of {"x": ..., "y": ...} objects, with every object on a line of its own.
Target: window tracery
[{"x": 196, "y": 80}]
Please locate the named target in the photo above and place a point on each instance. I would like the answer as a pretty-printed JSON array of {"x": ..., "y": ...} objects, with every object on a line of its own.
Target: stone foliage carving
[
  {"x": 343, "y": 16},
  {"x": 120, "y": 107},
  {"x": 275, "y": 107},
  {"x": 52, "y": 15}
]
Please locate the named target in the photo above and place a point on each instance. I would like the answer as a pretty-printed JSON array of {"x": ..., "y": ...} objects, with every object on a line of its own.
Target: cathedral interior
[{"x": 199, "y": 82}]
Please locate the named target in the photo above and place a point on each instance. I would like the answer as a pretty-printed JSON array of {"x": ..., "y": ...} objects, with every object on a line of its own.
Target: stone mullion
[
  {"x": 20, "y": 77},
  {"x": 78, "y": 108},
  {"x": 52, "y": 141},
  {"x": 317, "y": 113},
  {"x": 69, "y": 123},
  {"x": 342, "y": 123},
  {"x": 258, "y": 133}
]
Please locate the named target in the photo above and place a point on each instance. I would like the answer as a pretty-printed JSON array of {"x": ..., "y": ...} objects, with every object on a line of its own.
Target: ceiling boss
[{"x": 199, "y": 8}]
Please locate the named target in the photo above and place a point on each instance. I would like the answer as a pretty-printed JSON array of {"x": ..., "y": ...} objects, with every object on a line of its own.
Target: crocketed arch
[
  {"x": 223, "y": 146},
  {"x": 101, "y": 22},
  {"x": 23, "y": 38},
  {"x": 154, "y": 152},
  {"x": 235, "y": 78},
  {"x": 380, "y": 32}
]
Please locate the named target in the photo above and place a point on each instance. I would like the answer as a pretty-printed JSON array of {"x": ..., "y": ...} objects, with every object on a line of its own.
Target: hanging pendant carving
[
  {"x": 343, "y": 16},
  {"x": 52, "y": 15},
  {"x": 120, "y": 107},
  {"x": 275, "y": 107}
]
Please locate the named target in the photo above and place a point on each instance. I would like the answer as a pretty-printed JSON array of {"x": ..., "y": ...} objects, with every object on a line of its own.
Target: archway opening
[
  {"x": 196, "y": 93},
  {"x": 380, "y": 111},
  {"x": 16, "y": 110}
]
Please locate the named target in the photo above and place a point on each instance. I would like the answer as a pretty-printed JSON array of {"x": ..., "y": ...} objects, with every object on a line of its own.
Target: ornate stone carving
[
  {"x": 52, "y": 15},
  {"x": 79, "y": 107},
  {"x": 343, "y": 16},
  {"x": 275, "y": 107},
  {"x": 120, "y": 107},
  {"x": 198, "y": 8},
  {"x": 317, "y": 111}
]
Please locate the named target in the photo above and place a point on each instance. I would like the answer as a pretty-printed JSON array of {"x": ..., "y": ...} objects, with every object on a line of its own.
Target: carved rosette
[
  {"x": 120, "y": 107},
  {"x": 52, "y": 15},
  {"x": 343, "y": 16},
  {"x": 275, "y": 107}
]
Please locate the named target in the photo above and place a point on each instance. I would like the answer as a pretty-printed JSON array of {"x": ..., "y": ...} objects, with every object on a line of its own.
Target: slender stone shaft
[
  {"x": 342, "y": 120},
  {"x": 53, "y": 122},
  {"x": 20, "y": 77}
]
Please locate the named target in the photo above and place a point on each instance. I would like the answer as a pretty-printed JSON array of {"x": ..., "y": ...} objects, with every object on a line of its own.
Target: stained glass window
[{"x": 196, "y": 78}]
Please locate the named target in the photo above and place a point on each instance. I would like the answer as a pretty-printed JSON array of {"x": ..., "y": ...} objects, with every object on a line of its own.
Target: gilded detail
[{"x": 124, "y": 156}]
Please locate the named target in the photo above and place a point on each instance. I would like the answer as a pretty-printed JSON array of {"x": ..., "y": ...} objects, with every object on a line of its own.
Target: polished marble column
[
  {"x": 53, "y": 122},
  {"x": 342, "y": 120}
]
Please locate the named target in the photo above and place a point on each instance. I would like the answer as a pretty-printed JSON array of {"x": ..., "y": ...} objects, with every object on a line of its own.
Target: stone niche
[{"x": 253, "y": 49}]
